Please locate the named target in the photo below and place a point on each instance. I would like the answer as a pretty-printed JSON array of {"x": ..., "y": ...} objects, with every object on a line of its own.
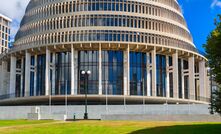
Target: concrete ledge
[
  {"x": 95, "y": 99},
  {"x": 185, "y": 118}
]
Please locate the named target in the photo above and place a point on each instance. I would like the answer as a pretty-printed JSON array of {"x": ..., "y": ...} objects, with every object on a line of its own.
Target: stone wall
[{"x": 95, "y": 111}]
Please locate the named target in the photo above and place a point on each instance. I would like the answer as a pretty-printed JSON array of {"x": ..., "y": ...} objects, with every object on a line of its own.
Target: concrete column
[
  {"x": 72, "y": 70},
  {"x": 207, "y": 88},
  {"x": 154, "y": 72},
  {"x": 191, "y": 61},
  {"x": 3, "y": 79},
  {"x": 1, "y": 74},
  {"x": 167, "y": 78},
  {"x": 27, "y": 73},
  {"x": 75, "y": 72},
  {"x": 12, "y": 75},
  {"x": 202, "y": 76},
  {"x": 148, "y": 75},
  {"x": 35, "y": 76},
  {"x": 22, "y": 75},
  {"x": 127, "y": 71},
  {"x": 47, "y": 72},
  {"x": 175, "y": 75},
  {"x": 53, "y": 73},
  {"x": 100, "y": 70}
]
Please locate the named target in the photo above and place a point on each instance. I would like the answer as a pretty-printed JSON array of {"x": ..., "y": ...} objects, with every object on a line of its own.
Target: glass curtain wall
[
  {"x": 41, "y": 67},
  {"x": 180, "y": 77},
  {"x": 138, "y": 74},
  {"x": 23, "y": 80},
  {"x": 62, "y": 73},
  {"x": 18, "y": 80},
  {"x": 32, "y": 74},
  {"x": 171, "y": 77},
  {"x": 112, "y": 72},
  {"x": 197, "y": 83},
  {"x": 161, "y": 75},
  {"x": 88, "y": 60},
  {"x": 186, "y": 80}
]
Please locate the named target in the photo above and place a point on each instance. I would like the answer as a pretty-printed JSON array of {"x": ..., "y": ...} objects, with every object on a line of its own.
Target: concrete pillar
[
  {"x": 191, "y": 61},
  {"x": 1, "y": 74},
  {"x": 72, "y": 70},
  {"x": 12, "y": 75},
  {"x": 75, "y": 72},
  {"x": 148, "y": 75},
  {"x": 202, "y": 77},
  {"x": 35, "y": 76},
  {"x": 22, "y": 76},
  {"x": 47, "y": 72},
  {"x": 53, "y": 73},
  {"x": 154, "y": 72},
  {"x": 175, "y": 75},
  {"x": 167, "y": 78},
  {"x": 127, "y": 71},
  {"x": 3, "y": 79},
  {"x": 27, "y": 73},
  {"x": 100, "y": 70},
  {"x": 208, "y": 87}
]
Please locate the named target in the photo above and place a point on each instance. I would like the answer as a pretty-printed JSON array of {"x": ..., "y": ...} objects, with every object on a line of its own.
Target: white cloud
[
  {"x": 15, "y": 10},
  {"x": 216, "y": 3}
]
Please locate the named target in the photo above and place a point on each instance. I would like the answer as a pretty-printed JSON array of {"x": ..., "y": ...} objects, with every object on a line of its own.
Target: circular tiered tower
[{"x": 138, "y": 51}]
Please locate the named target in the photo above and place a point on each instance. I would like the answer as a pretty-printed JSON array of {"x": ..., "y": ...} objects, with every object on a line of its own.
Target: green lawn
[
  {"x": 8, "y": 123},
  {"x": 108, "y": 127}
]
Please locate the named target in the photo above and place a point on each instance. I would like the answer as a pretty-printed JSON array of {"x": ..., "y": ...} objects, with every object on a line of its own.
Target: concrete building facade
[
  {"x": 138, "y": 51},
  {"x": 4, "y": 33},
  {"x": 4, "y": 46}
]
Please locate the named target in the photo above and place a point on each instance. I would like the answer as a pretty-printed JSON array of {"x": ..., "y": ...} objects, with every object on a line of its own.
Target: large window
[
  {"x": 18, "y": 80},
  {"x": 161, "y": 75},
  {"x": 180, "y": 78},
  {"x": 41, "y": 65},
  {"x": 88, "y": 60},
  {"x": 186, "y": 80},
  {"x": 32, "y": 79},
  {"x": 112, "y": 72},
  {"x": 138, "y": 74},
  {"x": 63, "y": 73}
]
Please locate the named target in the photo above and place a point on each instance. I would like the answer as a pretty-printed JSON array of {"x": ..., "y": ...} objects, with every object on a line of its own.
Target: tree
[
  {"x": 213, "y": 50},
  {"x": 213, "y": 53},
  {"x": 215, "y": 105}
]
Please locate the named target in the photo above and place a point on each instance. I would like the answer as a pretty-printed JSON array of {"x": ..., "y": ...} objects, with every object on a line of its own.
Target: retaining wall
[{"x": 95, "y": 111}]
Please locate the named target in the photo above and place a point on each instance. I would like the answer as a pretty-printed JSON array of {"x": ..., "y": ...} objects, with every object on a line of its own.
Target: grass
[
  {"x": 8, "y": 123},
  {"x": 108, "y": 127}
]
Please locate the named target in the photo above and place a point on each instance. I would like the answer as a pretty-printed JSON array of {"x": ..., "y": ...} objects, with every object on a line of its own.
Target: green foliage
[
  {"x": 213, "y": 51},
  {"x": 216, "y": 101}
]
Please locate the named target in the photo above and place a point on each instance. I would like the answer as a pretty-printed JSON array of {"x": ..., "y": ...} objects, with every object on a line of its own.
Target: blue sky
[{"x": 200, "y": 15}]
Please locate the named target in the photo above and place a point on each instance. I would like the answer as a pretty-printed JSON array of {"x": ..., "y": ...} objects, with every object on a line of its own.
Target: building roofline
[{"x": 5, "y": 17}]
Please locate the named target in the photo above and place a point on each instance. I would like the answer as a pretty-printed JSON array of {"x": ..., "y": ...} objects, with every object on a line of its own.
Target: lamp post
[{"x": 86, "y": 75}]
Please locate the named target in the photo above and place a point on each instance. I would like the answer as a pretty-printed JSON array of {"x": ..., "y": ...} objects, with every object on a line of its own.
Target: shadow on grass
[{"x": 182, "y": 129}]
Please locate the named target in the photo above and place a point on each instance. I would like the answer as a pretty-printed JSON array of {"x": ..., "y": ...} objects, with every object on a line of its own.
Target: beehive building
[{"x": 136, "y": 50}]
